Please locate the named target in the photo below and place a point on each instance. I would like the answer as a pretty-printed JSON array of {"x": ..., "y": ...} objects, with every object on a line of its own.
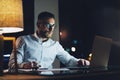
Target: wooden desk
[
  {"x": 37, "y": 77},
  {"x": 98, "y": 76},
  {"x": 103, "y": 75}
]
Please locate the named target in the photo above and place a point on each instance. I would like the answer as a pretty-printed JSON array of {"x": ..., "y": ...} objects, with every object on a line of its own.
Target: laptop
[
  {"x": 100, "y": 54},
  {"x": 100, "y": 51}
]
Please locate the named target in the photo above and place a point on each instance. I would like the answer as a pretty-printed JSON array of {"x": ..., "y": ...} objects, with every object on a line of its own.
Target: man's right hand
[{"x": 31, "y": 65}]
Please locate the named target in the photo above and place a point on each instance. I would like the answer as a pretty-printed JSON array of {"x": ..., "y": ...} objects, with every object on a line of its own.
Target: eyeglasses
[{"x": 49, "y": 26}]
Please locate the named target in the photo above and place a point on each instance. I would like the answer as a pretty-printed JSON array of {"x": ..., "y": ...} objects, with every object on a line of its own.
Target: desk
[{"x": 111, "y": 74}]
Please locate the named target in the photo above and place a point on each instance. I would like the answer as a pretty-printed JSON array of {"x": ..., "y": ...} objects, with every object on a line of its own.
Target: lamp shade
[{"x": 11, "y": 16}]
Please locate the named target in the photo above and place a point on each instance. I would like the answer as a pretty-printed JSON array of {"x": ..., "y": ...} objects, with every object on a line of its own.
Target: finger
[
  {"x": 87, "y": 62},
  {"x": 27, "y": 66},
  {"x": 83, "y": 63},
  {"x": 31, "y": 63},
  {"x": 34, "y": 63}
]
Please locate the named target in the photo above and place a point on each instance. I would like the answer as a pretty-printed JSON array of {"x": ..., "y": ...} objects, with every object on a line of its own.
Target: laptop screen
[{"x": 100, "y": 51}]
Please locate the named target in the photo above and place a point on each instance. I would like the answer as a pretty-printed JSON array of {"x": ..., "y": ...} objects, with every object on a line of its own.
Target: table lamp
[{"x": 11, "y": 21}]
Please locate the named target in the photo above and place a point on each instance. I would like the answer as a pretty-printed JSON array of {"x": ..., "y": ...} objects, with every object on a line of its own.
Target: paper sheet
[{"x": 44, "y": 69}]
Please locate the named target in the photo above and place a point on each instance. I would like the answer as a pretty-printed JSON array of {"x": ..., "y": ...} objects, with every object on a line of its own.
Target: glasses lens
[{"x": 49, "y": 25}]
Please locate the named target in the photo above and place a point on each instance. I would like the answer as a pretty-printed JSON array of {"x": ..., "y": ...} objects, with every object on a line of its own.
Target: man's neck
[{"x": 44, "y": 39}]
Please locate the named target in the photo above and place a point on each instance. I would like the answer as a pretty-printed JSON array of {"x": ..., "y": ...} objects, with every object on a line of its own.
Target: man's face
[{"x": 45, "y": 28}]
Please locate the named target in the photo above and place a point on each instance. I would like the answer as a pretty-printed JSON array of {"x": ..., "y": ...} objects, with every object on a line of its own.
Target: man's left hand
[{"x": 83, "y": 62}]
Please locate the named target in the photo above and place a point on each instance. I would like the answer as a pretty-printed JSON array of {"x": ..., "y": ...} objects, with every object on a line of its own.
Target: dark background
[{"x": 83, "y": 19}]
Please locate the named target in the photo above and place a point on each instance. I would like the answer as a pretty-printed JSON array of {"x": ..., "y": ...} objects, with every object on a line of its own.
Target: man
[{"x": 39, "y": 50}]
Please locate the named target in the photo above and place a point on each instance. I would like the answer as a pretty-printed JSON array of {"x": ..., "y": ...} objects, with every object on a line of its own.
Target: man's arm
[
  {"x": 68, "y": 59},
  {"x": 19, "y": 53}
]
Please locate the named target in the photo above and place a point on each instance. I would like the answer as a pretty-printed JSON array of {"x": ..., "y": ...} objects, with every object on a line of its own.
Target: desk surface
[{"x": 109, "y": 74}]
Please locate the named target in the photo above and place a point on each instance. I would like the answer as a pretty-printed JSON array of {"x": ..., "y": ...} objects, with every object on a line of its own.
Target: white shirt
[{"x": 31, "y": 48}]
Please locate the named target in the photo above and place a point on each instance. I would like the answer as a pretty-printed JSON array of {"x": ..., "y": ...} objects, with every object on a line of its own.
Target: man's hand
[
  {"x": 83, "y": 62},
  {"x": 31, "y": 65}
]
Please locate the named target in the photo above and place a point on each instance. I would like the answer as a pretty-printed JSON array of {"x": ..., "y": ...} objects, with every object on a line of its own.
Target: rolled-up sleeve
[
  {"x": 65, "y": 57},
  {"x": 19, "y": 52}
]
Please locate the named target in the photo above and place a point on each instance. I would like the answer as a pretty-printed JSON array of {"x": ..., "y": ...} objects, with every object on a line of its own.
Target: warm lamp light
[
  {"x": 11, "y": 16},
  {"x": 11, "y": 20}
]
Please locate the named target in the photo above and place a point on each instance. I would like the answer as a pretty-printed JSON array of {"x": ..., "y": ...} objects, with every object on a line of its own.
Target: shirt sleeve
[
  {"x": 65, "y": 57},
  {"x": 19, "y": 52}
]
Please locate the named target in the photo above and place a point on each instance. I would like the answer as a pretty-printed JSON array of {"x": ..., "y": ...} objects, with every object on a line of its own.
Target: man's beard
[{"x": 45, "y": 34}]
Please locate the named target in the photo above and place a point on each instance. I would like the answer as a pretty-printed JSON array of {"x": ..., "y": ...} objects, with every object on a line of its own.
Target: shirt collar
[
  {"x": 40, "y": 39},
  {"x": 46, "y": 43}
]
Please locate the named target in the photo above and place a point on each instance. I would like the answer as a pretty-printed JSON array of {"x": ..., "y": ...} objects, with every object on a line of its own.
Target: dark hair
[{"x": 45, "y": 15}]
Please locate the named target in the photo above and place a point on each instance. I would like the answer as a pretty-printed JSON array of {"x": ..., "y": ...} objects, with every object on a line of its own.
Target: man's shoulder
[
  {"x": 25, "y": 36},
  {"x": 52, "y": 41}
]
